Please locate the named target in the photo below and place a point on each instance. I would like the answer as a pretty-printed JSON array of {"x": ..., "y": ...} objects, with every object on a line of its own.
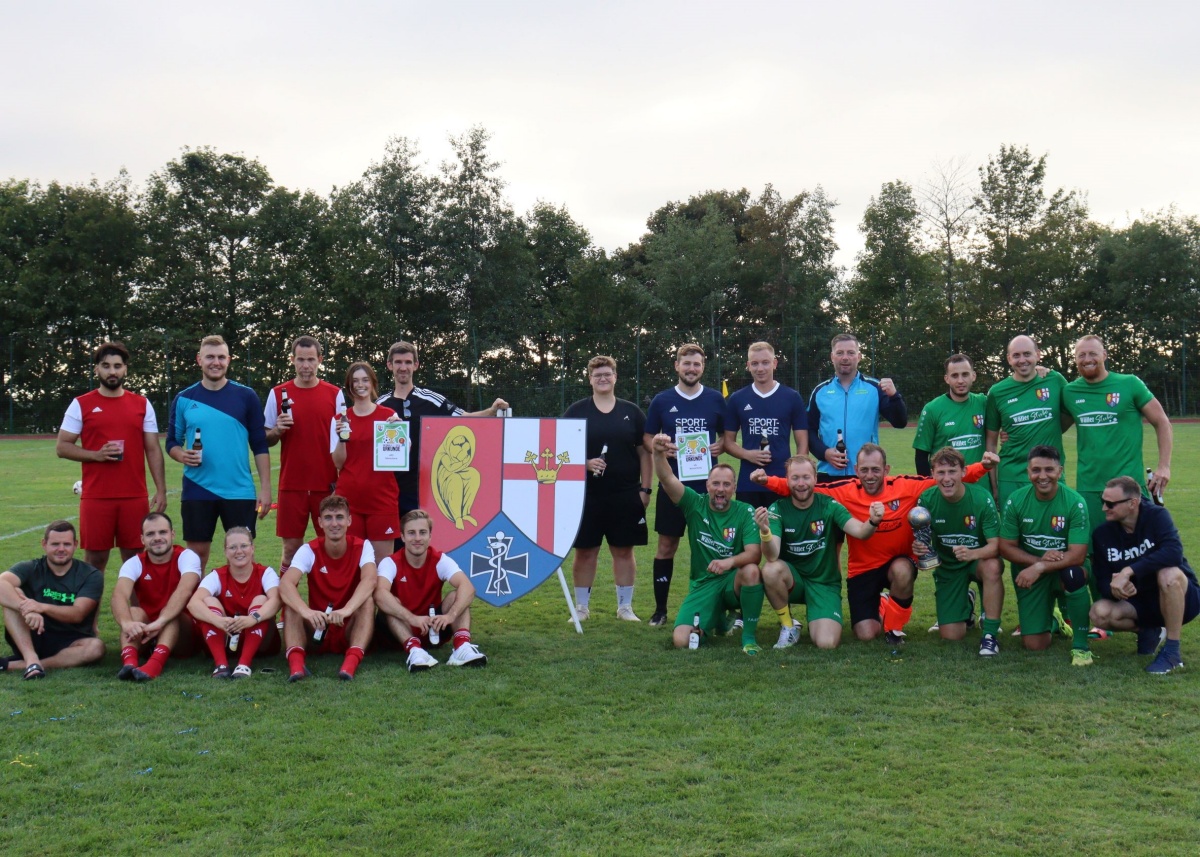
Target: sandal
[{"x": 34, "y": 671}]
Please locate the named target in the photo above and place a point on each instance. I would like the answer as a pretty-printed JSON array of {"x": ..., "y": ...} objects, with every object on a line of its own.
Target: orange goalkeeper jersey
[{"x": 894, "y": 536}]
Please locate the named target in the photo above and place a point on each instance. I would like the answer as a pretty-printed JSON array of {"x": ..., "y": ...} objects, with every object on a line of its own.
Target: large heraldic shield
[{"x": 505, "y": 495}]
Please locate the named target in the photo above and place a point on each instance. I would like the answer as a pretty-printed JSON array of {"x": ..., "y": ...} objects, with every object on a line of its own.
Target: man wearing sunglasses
[{"x": 1144, "y": 580}]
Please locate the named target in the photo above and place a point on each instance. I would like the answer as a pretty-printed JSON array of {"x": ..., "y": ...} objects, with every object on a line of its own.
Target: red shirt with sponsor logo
[
  {"x": 304, "y": 461},
  {"x": 330, "y": 580},
  {"x": 97, "y": 419},
  {"x": 154, "y": 583}
]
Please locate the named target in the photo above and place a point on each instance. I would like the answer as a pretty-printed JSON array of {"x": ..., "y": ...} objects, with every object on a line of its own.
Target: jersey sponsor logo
[
  {"x": 97, "y": 410},
  {"x": 977, "y": 420},
  {"x": 954, "y": 540},
  {"x": 323, "y": 570},
  {"x": 893, "y": 504},
  {"x": 1031, "y": 416},
  {"x": 759, "y": 426},
  {"x": 388, "y": 531},
  {"x": 1038, "y": 542},
  {"x": 747, "y": 408},
  {"x": 808, "y": 547},
  {"x": 1113, "y": 399},
  {"x": 1058, "y": 523},
  {"x": 949, "y": 423},
  {"x": 969, "y": 521},
  {"x": 691, "y": 424},
  {"x": 674, "y": 410},
  {"x": 1097, "y": 418},
  {"x": 228, "y": 594},
  {"x": 720, "y": 548},
  {"x": 404, "y": 579},
  {"x": 60, "y": 597},
  {"x": 1118, "y": 555},
  {"x": 1011, "y": 401},
  {"x": 730, "y": 534},
  {"x": 146, "y": 576},
  {"x": 818, "y": 528},
  {"x": 966, "y": 441},
  {"x": 1043, "y": 394}
]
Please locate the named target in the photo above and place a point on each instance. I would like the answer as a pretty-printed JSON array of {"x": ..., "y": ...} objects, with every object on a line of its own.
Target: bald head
[{"x": 1023, "y": 357}]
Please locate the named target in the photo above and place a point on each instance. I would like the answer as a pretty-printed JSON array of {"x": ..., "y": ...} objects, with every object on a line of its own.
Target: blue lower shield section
[{"x": 503, "y": 563}]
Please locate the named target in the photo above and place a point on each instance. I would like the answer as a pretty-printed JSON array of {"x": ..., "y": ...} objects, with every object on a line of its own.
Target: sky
[{"x": 615, "y": 109}]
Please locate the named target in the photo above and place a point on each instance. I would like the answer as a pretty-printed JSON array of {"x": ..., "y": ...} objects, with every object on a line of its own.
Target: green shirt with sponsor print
[
  {"x": 969, "y": 523},
  {"x": 807, "y": 536},
  {"x": 1030, "y": 411},
  {"x": 1040, "y": 526},
  {"x": 1108, "y": 423},
  {"x": 958, "y": 425},
  {"x": 716, "y": 535}
]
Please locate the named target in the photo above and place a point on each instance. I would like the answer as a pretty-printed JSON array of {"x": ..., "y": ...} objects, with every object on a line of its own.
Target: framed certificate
[
  {"x": 693, "y": 456},
  {"x": 392, "y": 445}
]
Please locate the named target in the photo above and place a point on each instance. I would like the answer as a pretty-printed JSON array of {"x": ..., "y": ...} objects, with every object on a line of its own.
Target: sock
[
  {"x": 412, "y": 643},
  {"x": 663, "y": 570},
  {"x": 158, "y": 659},
  {"x": 624, "y": 596},
  {"x": 1171, "y": 649},
  {"x": 129, "y": 656},
  {"x": 214, "y": 638},
  {"x": 785, "y": 616},
  {"x": 461, "y": 637},
  {"x": 1079, "y": 603},
  {"x": 354, "y": 656},
  {"x": 990, "y": 626},
  {"x": 295, "y": 659},
  {"x": 583, "y": 594},
  {"x": 252, "y": 638},
  {"x": 896, "y": 613},
  {"x": 751, "y": 598}
]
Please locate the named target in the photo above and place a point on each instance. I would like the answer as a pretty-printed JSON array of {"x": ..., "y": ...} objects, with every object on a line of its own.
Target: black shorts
[
  {"x": 619, "y": 519},
  {"x": 863, "y": 591},
  {"x": 1149, "y": 609},
  {"x": 758, "y": 499},
  {"x": 50, "y": 642},
  {"x": 200, "y": 517},
  {"x": 668, "y": 520}
]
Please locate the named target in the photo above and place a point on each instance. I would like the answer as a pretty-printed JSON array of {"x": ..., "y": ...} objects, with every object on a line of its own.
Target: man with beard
[
  {"x": 114, "y": 433},
  {"x": 954, "y": 419},
  {"x": 687, "y": 407},
  {"x": 150, "y": 600},
  {"x": 725, "y": 552},
  {"x": 799, "y": 535}
]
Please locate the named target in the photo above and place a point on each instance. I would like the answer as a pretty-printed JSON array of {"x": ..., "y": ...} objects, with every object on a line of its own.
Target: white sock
[
  {"x": 583, "y": 594},
  {"x": 624, "y": 596}
]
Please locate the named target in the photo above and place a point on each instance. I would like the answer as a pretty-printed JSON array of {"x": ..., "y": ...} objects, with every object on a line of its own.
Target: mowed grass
[{"x": 609, "y": 742}]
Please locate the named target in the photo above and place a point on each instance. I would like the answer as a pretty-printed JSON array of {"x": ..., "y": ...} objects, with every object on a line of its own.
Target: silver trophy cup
[{"x": 920, "y": 519}]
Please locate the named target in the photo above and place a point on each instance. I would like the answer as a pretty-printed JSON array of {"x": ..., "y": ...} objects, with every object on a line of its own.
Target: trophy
[{"x": 920, "y": 519}]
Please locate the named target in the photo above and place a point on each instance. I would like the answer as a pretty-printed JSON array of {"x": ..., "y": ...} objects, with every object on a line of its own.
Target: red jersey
[
  {"x": 236, "y": 597},
  {"x": 418, "y": 589},
  {"x": 894, "y": 535},
  {"x": 153, "y": 583},
  {"x": 332, "y": 581},
  {"x": 369, "y": 491},
  {"x": 98, "y": 419},
  {"x": 304, "y": 460}
]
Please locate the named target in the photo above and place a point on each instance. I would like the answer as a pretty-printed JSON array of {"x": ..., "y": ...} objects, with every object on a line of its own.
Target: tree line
[{"x": 515, "y": 303}]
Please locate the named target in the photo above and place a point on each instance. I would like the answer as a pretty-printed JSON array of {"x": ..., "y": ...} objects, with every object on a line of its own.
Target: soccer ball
[{"x": 78, "y": 487}]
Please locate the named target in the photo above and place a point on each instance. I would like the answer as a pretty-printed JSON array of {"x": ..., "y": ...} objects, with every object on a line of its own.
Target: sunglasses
[{"x": 1112, "y": 504}]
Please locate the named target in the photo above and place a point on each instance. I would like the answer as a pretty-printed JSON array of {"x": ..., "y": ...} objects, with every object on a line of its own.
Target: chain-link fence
[{"x": 539, "y": 374}]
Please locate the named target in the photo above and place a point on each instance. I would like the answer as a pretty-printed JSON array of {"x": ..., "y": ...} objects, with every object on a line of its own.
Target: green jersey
[
  {"x": 716, "y": 535},
  {"x": 808, "y": 536},
  {"x": 1030, "y": 411},
  {"x": 969, "y": 523},
  {"x": 1108, "y": 422},
  {"x": 959, "y": 425},
  {"x": 1041, "y": 526}
]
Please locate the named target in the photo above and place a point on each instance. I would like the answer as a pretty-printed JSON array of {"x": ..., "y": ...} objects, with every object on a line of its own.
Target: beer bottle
[
  {"x": 285, "y": 404},
  {"x": 1156, "y": 496},
  {"x": 694, "y": 636},
  {"x": 198, "y": 445},
  {"x": 434, "y": 636},
  {"x": 840, "y": 446}
]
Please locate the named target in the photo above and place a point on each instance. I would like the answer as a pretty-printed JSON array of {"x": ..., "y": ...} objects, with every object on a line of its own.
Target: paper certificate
[
  {"x": 391, "y": 445},
  {"x": 693, "y": 455}
]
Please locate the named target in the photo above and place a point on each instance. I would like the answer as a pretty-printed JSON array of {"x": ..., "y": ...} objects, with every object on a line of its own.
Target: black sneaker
[
  {"x": 988, "y": 646},
  {"x": 658, "y": 619},
  {"x": 300, "y": 676},
  {"x": 139, "y": 675},
  {"x": 894, "y": 638},
  {"x": 125, "y": 673},
  {"x": 221, "y": 672},
  {"x": 1149, "y": 639}
]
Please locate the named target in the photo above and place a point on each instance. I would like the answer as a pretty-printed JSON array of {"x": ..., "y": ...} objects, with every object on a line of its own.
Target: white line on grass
[{"x": 34, "y": 529}]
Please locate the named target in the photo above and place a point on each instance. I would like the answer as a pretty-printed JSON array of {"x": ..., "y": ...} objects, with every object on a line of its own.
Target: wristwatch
[{"x": 644, "y": 490}]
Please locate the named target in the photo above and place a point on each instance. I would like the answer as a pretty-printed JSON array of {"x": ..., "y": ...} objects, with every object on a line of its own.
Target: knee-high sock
[
  {"x": 252, "y": 638},
  {"x": 751, "y": 598},
  {"x": 663, "y": 571}
]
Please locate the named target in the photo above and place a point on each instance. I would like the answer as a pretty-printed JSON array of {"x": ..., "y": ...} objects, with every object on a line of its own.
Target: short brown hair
[
  {"x": 155, "y": 515},
  {"x": 354, "y": 367},
  {"x": 948, "y": 455},
  {"x": 111, "y": 349},
  {"x": 689, "y": 348},
  {"x": 213, "y": 339},
  {"x": 843, "y": 337},
  {"x": 870, "y": 448},
  {"x": 723, "y": 466},
  {"x": 307, "y": 341},
  {"x": 239, "y": 531},
  {"x": 760, "y": 346},
  {"x": 402, "y": 347},
  {"x": 958, "y": 358},
  {"x": 333, "y": 501},
  {"x": 797, "y": 460},
  {"x": 1127, "y": 484},
  {"x": 59, "y": 527},
  {"x": 601, "y": 360},
  {"x": 414, "y": 515}
]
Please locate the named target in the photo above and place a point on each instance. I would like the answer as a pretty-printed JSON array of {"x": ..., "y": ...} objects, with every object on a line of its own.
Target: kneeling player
[
  {"x": 234, "y": 604},
  {"x": 799, "y": 535},
  {"x": 723, "y": 539},
  {"x": 409, "y": 594},
  {"x": 341, "y": 582},
  {"x": 966, "y": 539},
  {"x": 150, "y": 599}
]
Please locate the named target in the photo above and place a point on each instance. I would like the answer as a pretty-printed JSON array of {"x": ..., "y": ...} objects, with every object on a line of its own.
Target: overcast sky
[{"x": 616, "y": 108}]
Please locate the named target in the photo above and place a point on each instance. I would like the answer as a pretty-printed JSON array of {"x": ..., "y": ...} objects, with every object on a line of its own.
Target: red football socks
[
  {"x": 214, "y": 638},
  {"x": 252, "y": 638},
  {"x": 295, "y": 659},
  {"x": 129, "y": 656},
  {"x": 158, "y": 659},
  {"x": 461, "y": 637},
  {"x": 354, "y": 656}
]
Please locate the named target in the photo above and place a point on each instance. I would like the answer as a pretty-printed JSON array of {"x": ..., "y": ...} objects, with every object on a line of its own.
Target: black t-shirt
[
  {"x": 621, "y": 430},
  {"x": 45, "y": 587},
  {"x": 419, "y": 403}
]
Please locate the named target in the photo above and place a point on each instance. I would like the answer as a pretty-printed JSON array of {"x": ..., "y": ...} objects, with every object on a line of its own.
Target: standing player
[
  {"x": 341, "y": 583},
  {"x": 1028, "y": 407},
  {"x": 617, "y": 491},
  {"x": 150, "y": 598},
  {"x": 117, "y": 436},
  {"x": 413, "y": 403},
  {"x": 799, "y": 545},
  {"x": 408, "y": 592},
  {"x": 688, "y": 407},
  {"x": 966, "y": 538},
  {"x": 50, "y": 607},
  {"x": 1108, "y": 408},
  {"x": 954, "y": 419},
  {"x": 306, "y": 471},
  {"x": 725, "y": 550},
  {"x": 885, "y": 561},
  {"x": 769, "y": 415},
  {"x": 1044, "y": 534},
  {"x": 372, "y": 494},
  {"x": 216, "y": 480},
  {"x": 852, "y": 403},
  {"x": 1145, "y": 582},
  {"x": 237, "y": 601}
]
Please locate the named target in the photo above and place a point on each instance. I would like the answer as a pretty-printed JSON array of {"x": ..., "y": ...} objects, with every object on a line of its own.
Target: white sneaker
[
  {"x": 241, "y": 671},
  {"x": 467, "y": 655},
  {"x": 582, "y": 612},
  {"x": 419, "y": 660},
  {"x": 627, "y": 614},
  {"x": 788, "y": 637}
]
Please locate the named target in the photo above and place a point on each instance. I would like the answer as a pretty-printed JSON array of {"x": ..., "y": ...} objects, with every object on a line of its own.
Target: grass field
[{"x": 606, "y": 743}]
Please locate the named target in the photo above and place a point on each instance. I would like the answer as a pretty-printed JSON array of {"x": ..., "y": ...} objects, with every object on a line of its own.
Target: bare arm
[
  {"x": 489, "y": 412},
  {"x": 158, "y": 472},
  {"x": 176, "y": 603},
  {"x": 770, "y": 542},
  {"x": 1165, "y": 434},
  {"x": 865, "y": 529},
  {"x": 262, "y": 463},
  {"x": 662, "y": 468},
  {"x": 390, "y": 605},
  {"x": 67, "y": 447},
  {"x": 801, "y": 436},
  {"x": 362, "y": 593}
]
